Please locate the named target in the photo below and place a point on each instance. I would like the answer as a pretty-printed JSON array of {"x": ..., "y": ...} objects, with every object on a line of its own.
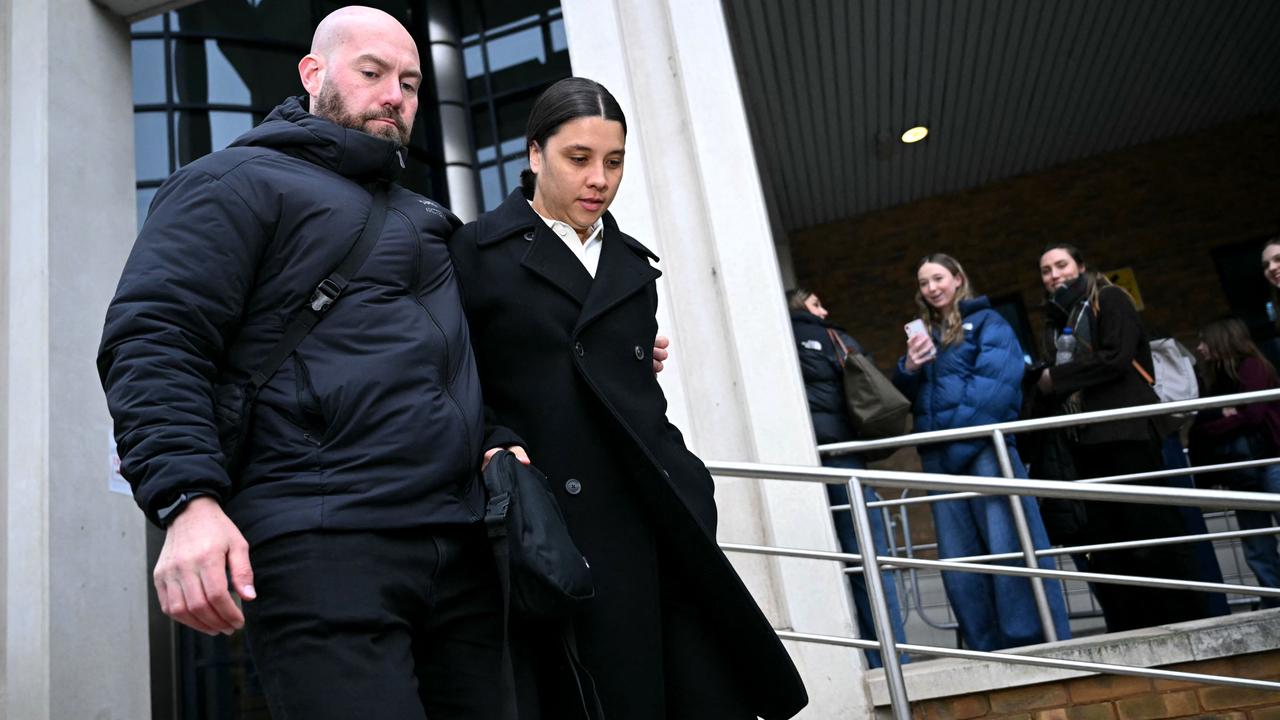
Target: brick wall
[
  {"x": 1114, "y": 697},
  {"x": 1158, "y": 208}
]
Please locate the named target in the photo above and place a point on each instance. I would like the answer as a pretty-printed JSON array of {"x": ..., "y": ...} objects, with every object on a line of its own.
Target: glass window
[
  {"x": 512, "y": 170},
  {"x": 491, "y": 187},
  {"x": 485, "y": 151},
  {"x": 227, "y": 126},
  {"x": 231, "y": 73},
  {"x": 284, "y": 22},
  {"x": 148, "y": 72},
  {"x": 155, "y": 23},
  {"x": 193, "y": 137},
  {"x": 513, "y": 120},
  {"x": 151, "y": 146},
  {"x": 144, "y": 197},
  {"x": 225, "y": 85},
  {"x": 559, "y": 43},
  {"x": 516, "y": 48}
]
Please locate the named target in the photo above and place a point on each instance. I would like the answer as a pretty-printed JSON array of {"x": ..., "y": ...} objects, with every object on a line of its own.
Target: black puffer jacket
[
  {"x": 376, "y": 420},
  {"x": 823, "y": 377}
]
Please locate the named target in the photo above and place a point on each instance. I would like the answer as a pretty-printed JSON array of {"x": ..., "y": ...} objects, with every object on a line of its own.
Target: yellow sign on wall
[{"x": 1123, "y": 277}]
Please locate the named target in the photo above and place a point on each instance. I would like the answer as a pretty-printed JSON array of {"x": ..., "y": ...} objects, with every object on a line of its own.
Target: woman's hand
[
  {"x": 660, "y": 352},
  {"x": 1045, "y": 383},
  {"x": 920, "y": 351},
  {"x": 516, "y": 450},
  {"x": 1229, "y": 411}
]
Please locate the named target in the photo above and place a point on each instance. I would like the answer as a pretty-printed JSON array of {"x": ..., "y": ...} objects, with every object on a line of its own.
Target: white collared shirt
[{"x": 588, "y": 251}]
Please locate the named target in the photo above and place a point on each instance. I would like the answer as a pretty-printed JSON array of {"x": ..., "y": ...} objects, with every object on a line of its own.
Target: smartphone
[{"x": 914, "y": 328}]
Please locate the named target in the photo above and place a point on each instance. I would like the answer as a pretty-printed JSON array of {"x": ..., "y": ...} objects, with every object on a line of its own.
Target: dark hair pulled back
[{"x": 566, "y": 100}]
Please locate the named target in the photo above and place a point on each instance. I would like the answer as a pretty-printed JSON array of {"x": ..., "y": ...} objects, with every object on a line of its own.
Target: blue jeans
[
  {"x": 1260, "y": 550},
  {"x": 839, "y": 495},
  {"x": 994, "y": 611}
]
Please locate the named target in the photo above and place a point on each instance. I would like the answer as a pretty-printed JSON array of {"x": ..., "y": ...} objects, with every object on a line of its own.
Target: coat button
[
  {"x": 639, "y": 353},
  {"x": 572, "y": 486},
  {"x": 528, "y": 236},
  {"x": 577, "y": 348}
]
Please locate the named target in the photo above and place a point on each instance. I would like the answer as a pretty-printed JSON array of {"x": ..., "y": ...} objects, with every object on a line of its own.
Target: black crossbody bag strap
[{"x": 326, "y": 292}]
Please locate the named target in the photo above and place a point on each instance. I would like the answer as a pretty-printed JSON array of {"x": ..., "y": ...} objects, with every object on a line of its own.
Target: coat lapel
[
  {"x": 623, "y": 271},
  {"x": 548, "y": 258}
]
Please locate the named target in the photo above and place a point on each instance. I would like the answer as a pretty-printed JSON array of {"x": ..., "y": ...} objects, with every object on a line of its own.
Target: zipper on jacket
[{"x": 448, "y": 355}]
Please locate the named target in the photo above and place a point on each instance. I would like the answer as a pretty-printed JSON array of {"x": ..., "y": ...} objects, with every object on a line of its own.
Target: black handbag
[
  {"x": 233, "y": 402},
  {"x": 543, "y": 575}
]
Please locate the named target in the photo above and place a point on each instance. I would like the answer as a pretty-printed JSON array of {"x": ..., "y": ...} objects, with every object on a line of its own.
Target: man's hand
[
  {"x": 516, "y": 450},
  {"x": 660, "y": 354},
  {"x": 200, "y": 546}
]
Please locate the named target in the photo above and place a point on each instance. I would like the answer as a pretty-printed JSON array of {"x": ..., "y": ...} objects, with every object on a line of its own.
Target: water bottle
[{"x": 1066, "y": 346}]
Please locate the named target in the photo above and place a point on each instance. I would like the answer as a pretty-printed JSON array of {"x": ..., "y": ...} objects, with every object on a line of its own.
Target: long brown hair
[
  {"x": 1229, "y": 344},
  {"x": 948, "y": 324}
]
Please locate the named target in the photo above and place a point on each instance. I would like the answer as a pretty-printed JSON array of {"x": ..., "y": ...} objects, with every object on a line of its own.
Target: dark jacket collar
[
  {"x": 514, "y": 217},
  {"x": 294, "y": 131},
  {"x": 623, "y": 270}
]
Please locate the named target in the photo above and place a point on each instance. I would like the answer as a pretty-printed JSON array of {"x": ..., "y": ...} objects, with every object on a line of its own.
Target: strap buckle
[{"x": 326, "y": 292}]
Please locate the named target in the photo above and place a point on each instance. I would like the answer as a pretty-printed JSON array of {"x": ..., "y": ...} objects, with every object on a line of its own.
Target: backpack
[
  {"x": 1175, "y": 379},
  {"x": 1175, "y": 371}
]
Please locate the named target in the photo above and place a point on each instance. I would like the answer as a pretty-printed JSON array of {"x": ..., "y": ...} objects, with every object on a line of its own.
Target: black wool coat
[
  {"x": 564, "y": 362},
  {"x": 1106, "y": 377}
]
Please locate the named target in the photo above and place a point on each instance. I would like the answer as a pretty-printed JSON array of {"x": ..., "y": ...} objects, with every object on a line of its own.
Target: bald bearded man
[{"x": 349, "y": 520}]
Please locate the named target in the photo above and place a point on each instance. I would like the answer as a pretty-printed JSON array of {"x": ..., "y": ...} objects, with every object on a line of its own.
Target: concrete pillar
[
  {"x": 74, "y": 580},
  {"x": 692, "y": 192},
  {"x": 455, "y": 115}
]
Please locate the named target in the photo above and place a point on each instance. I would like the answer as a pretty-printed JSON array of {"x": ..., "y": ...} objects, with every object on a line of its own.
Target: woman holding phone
[
  {"x": 561, "y": 305},
  {"x": 965, "y": 369}
]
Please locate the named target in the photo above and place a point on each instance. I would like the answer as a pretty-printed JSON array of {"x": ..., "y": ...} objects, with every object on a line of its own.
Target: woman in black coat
[
  {"x": 1105, "y": 370},
  {"x": 562, "y": 306}
]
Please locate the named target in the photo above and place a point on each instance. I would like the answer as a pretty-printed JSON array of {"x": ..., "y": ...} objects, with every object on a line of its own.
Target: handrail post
[
  {"x": 879, "y": 606},
  {"x": 1024, "y": 539}
]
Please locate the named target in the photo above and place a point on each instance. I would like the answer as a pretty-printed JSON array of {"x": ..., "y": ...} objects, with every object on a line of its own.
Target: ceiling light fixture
[{"x": 915, "y": 134}]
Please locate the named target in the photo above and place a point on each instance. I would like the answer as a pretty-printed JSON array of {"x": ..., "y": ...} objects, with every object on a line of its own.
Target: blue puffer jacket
[{"x": 974, "y": 382}]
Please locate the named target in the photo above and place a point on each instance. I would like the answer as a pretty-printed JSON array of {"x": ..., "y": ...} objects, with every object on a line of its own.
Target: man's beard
[{"x": 330, "y": 105}]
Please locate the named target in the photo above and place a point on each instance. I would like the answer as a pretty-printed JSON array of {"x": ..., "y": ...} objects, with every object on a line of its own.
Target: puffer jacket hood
[
  {"x": 375, "y": 421},
  {"x": 975, "y": 381},
  {"x": 294, "y": 131}
]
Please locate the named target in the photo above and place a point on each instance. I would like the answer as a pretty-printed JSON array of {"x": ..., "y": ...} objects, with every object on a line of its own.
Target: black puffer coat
[
  {"x": 376, "y": 420},
  {"x": 823, "y": 376}
]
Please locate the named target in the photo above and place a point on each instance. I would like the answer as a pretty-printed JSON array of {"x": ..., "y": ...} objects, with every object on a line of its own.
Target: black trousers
[
  {"x": 402, "y": 625},
  {"x": 1126, "y": 607}
]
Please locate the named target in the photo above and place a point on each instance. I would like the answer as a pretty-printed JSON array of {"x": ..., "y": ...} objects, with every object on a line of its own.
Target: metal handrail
[
  {"x": 1102, "y": 489},
  {"x": 1051, "y": 423}
]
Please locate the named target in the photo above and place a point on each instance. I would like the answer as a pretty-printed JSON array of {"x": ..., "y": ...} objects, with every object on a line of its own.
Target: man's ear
[{"x": 311, "y": 71}]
